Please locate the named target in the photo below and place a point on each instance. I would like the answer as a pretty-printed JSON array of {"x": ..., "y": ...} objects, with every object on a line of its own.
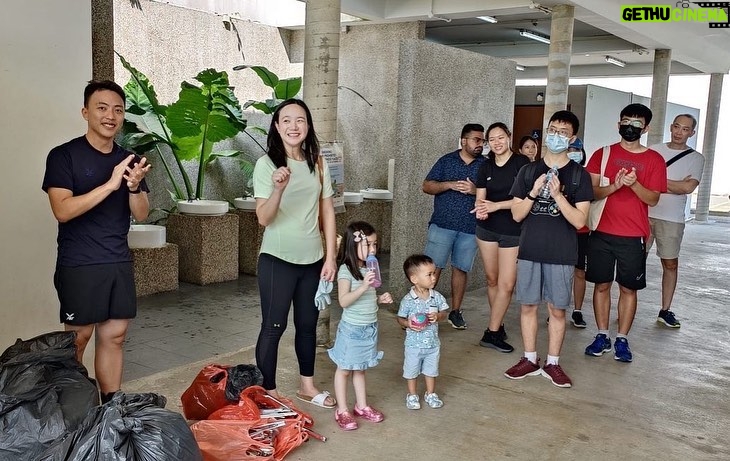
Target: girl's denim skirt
[{"x": 356, "y": 346}]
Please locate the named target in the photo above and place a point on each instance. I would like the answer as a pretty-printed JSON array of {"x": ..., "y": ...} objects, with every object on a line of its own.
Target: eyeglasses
[
  {"x": 477, "y": 139},
  {"x": 635, "y": 123},
  {"x": 553, "y": 131}
]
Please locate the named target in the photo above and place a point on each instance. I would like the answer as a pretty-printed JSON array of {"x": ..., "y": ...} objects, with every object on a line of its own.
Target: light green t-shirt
[
  {"x": 293, "y": 235},
  {"x": 364, "y": 310}
]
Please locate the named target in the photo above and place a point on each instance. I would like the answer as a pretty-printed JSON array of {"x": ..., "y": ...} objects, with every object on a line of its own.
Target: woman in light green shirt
[{"x": 293, "y": 192}]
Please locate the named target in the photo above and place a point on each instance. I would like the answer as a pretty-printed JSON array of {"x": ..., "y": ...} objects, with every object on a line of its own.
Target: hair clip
[{"x": 358, "y": 236}]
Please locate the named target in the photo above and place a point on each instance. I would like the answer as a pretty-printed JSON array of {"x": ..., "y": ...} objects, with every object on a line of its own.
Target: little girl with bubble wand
[{"x": 355, "y": 348}]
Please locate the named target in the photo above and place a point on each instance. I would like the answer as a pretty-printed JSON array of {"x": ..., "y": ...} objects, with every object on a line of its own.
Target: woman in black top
[{"x": 498, "y": 235}]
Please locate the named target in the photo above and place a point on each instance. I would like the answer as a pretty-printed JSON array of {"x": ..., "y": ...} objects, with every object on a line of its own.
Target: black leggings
[{"x": 280, "y": 284}]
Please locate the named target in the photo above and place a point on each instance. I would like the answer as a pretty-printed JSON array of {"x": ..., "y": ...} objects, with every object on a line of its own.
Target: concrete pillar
[
  {"x": 321, "y": 68},
  {"x": 708, "y": 149},
  {"x": 659, "y": 88},
  {"x": 102, "y": 39},
  {"x": 558, "y": 72},
  {"x": 321, "y": 64}
]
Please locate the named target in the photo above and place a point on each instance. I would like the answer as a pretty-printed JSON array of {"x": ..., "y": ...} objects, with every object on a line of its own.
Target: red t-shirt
[{"x": 625, "y": 214}]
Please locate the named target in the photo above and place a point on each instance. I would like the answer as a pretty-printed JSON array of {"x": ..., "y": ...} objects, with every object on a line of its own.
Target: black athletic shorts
[
  {"x": 582, "y": 262},
  {"x": 96, "y": 293},
  {"x": 626, "y": 256}
]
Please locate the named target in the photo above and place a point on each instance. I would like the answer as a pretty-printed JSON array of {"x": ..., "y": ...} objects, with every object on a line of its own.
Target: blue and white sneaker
[
  {"x": 599, "y": 346},
  {"x": 622, "y": 351}
]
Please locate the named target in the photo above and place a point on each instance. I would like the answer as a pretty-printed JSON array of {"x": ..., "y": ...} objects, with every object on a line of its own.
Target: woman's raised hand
[{"x": 280, "y": 177}]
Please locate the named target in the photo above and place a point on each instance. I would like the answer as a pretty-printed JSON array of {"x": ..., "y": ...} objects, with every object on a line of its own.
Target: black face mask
[{"x": 629, "y": 133}]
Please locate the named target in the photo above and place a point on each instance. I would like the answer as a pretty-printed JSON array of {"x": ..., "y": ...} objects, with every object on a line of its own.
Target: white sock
[
  {"x": 619, "y": 335},
  {"x": 552, "y": 359},
  {"x": 531, "y": 356},
  {"x": 603, "y": 332}
]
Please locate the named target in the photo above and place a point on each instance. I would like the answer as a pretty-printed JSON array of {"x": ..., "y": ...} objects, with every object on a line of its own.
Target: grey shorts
[
  {"x": 537, "y": 282},
  {"x": 668, "y": 236},
  {"x": 503, "y": 241},
  {"x": 421, "y": 361}
]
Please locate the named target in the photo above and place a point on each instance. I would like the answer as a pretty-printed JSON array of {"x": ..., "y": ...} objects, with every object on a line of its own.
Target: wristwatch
[
  {"x": 530, "y": 197},
  {"x": 139, "y": 189}
]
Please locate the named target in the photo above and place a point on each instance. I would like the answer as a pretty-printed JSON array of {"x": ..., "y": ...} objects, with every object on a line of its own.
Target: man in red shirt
[{"x": 638, "y": 175}]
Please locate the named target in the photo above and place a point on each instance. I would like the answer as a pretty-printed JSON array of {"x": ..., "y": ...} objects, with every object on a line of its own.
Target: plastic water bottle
[
  {"x": 372, "y": 264},
  {"x": 545, "y": 191}
]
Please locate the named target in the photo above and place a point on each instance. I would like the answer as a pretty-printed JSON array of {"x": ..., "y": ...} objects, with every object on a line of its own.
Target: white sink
[
  {"x": 245, "y": 203},
  {"x": 353, "y": 197},
  {"x": 146, "y": 236},
  {"x": 203, "y": 207},
  {"x": 376, "y": 194}
]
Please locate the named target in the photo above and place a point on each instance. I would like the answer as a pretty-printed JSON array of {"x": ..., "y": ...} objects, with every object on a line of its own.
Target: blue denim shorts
[
  {"x": 442, "y": 243},
  {"x": 356, "y": 346},
  {"x": 417, "y": 361}
]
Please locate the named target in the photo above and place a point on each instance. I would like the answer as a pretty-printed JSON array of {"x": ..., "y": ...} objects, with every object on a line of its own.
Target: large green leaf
[
  {"x": 269, "y": 78},
  {"x": 288, "y": 88},
  {"x": 142, "y": 107}
]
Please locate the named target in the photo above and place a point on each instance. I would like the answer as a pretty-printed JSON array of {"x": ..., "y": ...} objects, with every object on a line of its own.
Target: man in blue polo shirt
[{"x": 452, "y": 226}]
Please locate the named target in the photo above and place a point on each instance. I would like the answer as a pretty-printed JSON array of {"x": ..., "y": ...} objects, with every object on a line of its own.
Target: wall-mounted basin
[
  {"x": 146, "y": 236},
  {"x": 353, "y": 197},
  {"x": 376, "y": 194},
  {"x": 203, "y": 207},
  {"x": 245, "y": 203}
]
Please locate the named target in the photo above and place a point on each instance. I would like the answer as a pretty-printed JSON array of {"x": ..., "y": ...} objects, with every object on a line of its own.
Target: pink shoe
[
  {"x": 369, "y": 413},
  {"x": 345, "y": 420}
]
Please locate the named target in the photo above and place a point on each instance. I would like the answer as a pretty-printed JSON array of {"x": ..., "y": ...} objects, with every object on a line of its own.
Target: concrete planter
[
  {"x": 208, "y": 247},
  {"x": 155, "y": 269},
  {"x": 250, "y": 234}
]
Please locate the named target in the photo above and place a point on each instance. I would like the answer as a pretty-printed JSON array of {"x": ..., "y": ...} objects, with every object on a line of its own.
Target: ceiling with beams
[{"x": 598, "y": 31}]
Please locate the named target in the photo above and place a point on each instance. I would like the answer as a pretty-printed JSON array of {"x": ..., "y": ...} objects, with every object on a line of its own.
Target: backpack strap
[
  {"x": 530, "y": 172},
  {"x": 574, "y": 183},
  {"x": 679, "y": 156}
]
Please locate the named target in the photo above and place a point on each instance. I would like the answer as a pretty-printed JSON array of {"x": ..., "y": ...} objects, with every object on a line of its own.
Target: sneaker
[
  {"x": 369, "y": 413},
  {"x": 345, "y": 420},
  {"x": 601, "y": 344},
  {"x": 433, "y": 400},
  {"x": 577, "y": 319},
  {"x": 622, "y": 351},
  {"x": 668, "y": 319},
  {"x": 523, "y": 368},
  {"x": 502, "y": 333},
  {"x": 494, "y": 340},
  {"x": 556, "y": 375},
  {"x": 456, "y": 319},
  {"x": 412, "y": 402}
]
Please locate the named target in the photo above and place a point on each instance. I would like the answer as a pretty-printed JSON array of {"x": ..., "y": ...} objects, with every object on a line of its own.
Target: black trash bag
[
  {"x": 44, "y": 393},
  {"x": 239, "y": 378},
  {"x": 130, "y": 427}
]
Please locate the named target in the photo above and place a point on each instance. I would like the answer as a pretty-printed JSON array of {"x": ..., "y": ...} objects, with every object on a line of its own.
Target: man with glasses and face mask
[
  {"x": 684, "y": 172},
  {"x": 451, "y": 229},
  {"x": 638, "y": 175}
]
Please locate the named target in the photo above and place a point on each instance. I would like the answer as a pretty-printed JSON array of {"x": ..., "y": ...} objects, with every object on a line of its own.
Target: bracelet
[
  {"x": 530, "y": 197},
  {"x": 137, "y": 191}
]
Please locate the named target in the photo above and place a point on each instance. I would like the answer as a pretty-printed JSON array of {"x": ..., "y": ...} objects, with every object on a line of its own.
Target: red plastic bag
[
  {"x": 264, "y": 401},
  {"x": 230, "y": 440},
  {"x": 207, "y": 393},
  {"x": 246, "y": 409}
]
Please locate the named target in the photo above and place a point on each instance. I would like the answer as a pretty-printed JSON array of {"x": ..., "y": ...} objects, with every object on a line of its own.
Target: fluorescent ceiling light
[
  {"x": 615, "y": 62},
  {"x": 535, "y": 36},
  {"x": 491, "y": 19},
  {"x": 520, "y": 68}
]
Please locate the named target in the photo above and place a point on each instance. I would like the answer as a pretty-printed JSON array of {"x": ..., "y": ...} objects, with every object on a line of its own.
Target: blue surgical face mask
[
  {"x": 557, "y": 143},
  {"x": 575, "y": 156}
]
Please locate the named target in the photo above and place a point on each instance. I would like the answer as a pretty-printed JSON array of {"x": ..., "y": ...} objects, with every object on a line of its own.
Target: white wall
[
  {"x": 603, "y": 107},
  {"x": 46, "y": 60}
]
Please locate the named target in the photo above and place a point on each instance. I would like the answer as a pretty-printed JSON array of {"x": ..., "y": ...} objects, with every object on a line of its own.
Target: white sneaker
[
  {"x": 433, "y": 400},
  {"x": 412, "y": 402}
]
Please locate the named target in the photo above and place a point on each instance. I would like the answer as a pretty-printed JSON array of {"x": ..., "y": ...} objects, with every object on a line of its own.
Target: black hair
[
  {"x": 413, "y": 262},
  {"x": 98, "y": 85},
  {"x": 689, "y": 116},
  {"x": 469, "y": 127},
  {"x": 566, "y": 116},
  {"x": 526, "y": 138},
  {"x": 275, "y": 145},
  {"x": 347, "y": 254},
  {"x": 637, "y": 110}
]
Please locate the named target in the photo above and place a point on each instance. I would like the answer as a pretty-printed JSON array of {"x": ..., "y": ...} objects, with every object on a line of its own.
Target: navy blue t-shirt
[
  {"x": 98, "y": 236},
  {"x": 451, "y": 208},
  {"x": 498, "y": 180}
]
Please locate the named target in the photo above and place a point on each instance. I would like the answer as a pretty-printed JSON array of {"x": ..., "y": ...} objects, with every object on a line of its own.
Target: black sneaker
[
  {"x": 457, "y": 320},
  {"x": 502, "y": 333},
  {"x": 577, "y": 319},
  {"x": 667, "y": 318},
  {"x": 494, "y": 340}
]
